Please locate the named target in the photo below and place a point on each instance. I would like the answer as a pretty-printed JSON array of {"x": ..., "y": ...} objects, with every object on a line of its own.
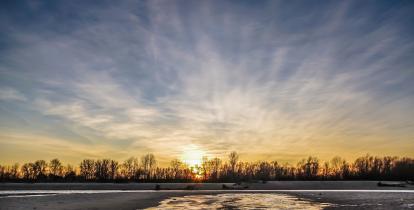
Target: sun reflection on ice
[{"x": 239, "y": 201}]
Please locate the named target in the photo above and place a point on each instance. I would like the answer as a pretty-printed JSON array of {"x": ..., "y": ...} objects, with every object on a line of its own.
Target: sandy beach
[{"x": 338, "y": 194}]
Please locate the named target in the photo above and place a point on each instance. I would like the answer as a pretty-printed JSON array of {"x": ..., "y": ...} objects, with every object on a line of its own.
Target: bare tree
[
  {"x": 102, "y": 169},
  {"x": 56, "y": 168},
  {"x": 129, "y": 168},
  {"x": 233, "y": 159},
  {"x": 176, "y": 166},
  {"x": 205, "y": 168},
  {"x": 14, "y": 171},
  {"x": 148, "y": 163},
  {"x": 39, "y": 169},
  {"x": 70, "y": 173},
  {"x": 366, "y": 167},
  {"x": 337, "y": 166},
  {"x": 215, "y": 168},
  {"x": 326, "y": 170},
  {"x": 308, "y": 168},
  {"x": 28, "y": 171},
  {"x": 87, "y": 169},
  {"x": 113, "y": 169}
]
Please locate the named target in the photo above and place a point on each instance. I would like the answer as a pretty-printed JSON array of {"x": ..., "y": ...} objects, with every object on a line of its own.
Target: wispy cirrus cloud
[
  {"x": 10, "y": 94},
  {"x": 269, "y": 79}
]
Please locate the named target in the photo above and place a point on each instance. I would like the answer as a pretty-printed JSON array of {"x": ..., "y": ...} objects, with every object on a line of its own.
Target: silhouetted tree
[
  {"x": 148, "y": 163},
  {"x": 233, "y": 159},
  {"x": 9, "y": 173},
  {"x": 176, "y": 168},
  {"x": 404, "y": 169},
  {"x": 366, "y": 167},
  {"x": 215, "y": 168},
  {"x": 205, "y": 168},
  {"x": 87, "y": 169},
  {"x": 337, "y": 166},
  {"x": 129, "y": 168},
  {"x": 102, "y": 168},
  {"x": 308, "y": 168},
  {"x": 56, "y": 168},
  {"x": 264, "y": 170},
  {"x": 39, "y": 169},
  {"x": 28, "y": 171},
  {"x": 113, "y": 169},
  {"x": 70, "y": 173}
]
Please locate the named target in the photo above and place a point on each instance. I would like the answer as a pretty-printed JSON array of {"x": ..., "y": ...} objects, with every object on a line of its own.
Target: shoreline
[{"x": 270, "y": 185}]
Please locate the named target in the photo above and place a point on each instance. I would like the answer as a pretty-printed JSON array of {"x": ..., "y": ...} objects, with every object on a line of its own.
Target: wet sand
[{"x": 142, "y": 196}]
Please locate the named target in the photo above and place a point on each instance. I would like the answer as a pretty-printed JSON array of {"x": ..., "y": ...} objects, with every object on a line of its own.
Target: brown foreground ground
[{"x": 143, "y": 195}]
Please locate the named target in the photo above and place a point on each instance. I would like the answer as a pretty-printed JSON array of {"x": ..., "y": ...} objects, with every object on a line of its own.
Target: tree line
[{"x": 145, "y": 169}]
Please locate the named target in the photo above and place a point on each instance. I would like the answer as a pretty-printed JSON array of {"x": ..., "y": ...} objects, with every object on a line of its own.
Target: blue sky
[{"x": 270, "y": 79}]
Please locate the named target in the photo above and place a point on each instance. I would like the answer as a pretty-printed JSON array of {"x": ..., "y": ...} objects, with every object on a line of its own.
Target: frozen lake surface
[
  {"x": 239, "y": 201},
  {"x": 272, "y": 195},
  {"x": 29, "y": 193}
]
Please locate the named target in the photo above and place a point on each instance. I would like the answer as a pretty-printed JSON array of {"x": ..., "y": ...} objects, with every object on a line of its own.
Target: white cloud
[
  {"x": 222, "y": 80},
  {"x": 10, "y": 94}
]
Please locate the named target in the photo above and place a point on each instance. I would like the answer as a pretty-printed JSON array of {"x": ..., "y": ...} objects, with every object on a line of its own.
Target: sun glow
[{"x": 193, "y": 156}]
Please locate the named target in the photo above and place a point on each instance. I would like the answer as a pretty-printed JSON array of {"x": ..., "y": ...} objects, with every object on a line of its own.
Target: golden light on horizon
[
  {"x": 193, "y": 156},
  {"x": 202, "y": 93}
]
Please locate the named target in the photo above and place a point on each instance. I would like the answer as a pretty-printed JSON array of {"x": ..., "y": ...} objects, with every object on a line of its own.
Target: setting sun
[{"x": 192, "y": 156}]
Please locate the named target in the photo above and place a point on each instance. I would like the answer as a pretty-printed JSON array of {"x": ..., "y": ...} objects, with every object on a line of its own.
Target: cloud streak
[
  {"x": 10, "y": 94},
  {"x": 270, "y": 80}
]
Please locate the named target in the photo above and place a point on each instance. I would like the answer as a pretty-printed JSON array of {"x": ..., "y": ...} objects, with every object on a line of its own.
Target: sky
[{"x": 272, "y": 80}]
